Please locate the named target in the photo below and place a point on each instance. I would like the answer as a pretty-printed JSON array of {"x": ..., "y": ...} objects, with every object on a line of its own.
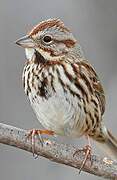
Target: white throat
[{"x": 29, "y": 53}]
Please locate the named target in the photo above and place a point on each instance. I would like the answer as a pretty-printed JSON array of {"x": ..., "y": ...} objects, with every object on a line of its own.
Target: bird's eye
[{"x": 47, "y": 39}]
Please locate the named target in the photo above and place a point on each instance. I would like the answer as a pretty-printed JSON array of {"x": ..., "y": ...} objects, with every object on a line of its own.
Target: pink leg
[{"x": 87, "y": 150}]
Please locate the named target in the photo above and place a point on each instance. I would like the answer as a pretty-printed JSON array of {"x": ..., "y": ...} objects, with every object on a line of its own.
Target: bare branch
[{"x": 60, "y": 153}]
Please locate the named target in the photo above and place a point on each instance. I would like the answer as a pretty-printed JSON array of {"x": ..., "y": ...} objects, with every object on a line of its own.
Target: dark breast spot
[{"x": 43, "y": 90}]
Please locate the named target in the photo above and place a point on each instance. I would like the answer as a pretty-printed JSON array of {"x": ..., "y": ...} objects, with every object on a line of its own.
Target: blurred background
[{"x": 94, "y": 24}]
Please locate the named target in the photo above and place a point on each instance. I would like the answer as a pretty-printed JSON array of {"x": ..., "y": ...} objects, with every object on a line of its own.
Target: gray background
[{"x": 94, "y": 24}]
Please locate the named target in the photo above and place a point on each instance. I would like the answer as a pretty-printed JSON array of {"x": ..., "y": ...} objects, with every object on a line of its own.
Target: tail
[{"x": 109, "y": 147}]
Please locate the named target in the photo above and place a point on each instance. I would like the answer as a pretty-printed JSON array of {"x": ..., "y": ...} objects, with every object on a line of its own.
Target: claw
[
  {"x": 38, "y": 132},
  {"x": 87, "y": 150},
  {"x": 33, "y": 133}
]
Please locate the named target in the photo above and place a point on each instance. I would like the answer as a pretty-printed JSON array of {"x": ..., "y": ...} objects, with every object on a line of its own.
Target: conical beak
[{"x": 26, "y": 42}]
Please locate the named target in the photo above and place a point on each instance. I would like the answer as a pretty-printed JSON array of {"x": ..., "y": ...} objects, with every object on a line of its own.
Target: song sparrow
[{"x": 63, "y": 88}]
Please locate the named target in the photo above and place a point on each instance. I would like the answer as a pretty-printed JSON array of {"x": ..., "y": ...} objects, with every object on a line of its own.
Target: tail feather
[{"x": 109, "y": 147}]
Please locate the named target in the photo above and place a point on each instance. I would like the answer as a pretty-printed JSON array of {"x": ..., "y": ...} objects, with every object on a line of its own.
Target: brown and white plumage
[{"x": 63, "y": 88}]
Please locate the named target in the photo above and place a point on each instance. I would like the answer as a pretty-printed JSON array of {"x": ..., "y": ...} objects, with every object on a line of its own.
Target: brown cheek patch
[{"x": 69, "y": 43}]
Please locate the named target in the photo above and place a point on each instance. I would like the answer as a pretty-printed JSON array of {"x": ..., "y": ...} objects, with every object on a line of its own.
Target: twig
[{"x": 60, "y": 153}]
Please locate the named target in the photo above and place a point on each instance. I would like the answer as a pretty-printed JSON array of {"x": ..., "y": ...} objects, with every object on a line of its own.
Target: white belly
[{"x": 60, "y": 113}]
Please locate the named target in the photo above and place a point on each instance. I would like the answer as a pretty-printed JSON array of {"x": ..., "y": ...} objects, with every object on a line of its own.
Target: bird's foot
[
  {"x": 37, "y": 132},
  {"x": 87, "y": 150}
]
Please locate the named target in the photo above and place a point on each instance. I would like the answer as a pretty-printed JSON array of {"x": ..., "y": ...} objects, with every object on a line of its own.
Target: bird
[{"x": 63, "y": 88}]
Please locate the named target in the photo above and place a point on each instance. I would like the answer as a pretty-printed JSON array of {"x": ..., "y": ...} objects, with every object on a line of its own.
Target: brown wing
[{"x": 99, "y": 92}]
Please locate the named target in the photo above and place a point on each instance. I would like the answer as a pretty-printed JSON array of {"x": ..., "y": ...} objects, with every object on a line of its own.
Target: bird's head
[{"x": 51, "y": 39}]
